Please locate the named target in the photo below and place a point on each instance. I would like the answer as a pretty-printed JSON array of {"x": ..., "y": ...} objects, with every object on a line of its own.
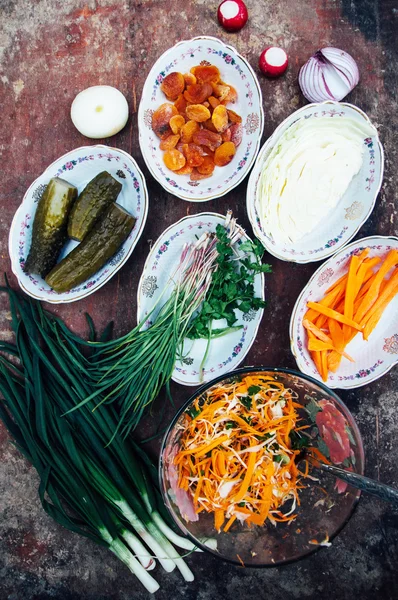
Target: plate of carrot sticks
[{"x": 344, "y": 326}]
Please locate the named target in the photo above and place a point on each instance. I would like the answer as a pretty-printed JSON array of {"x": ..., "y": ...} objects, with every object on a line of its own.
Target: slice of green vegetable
[
  {"x": 49, "y": 231},
  {"x": 96, "y": 197},
  {"x": 91, "y": 254}
]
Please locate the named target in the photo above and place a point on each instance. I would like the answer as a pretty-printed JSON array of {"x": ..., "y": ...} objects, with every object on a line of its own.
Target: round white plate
[
  {"x": 78, "y": 167},
  {"x": 353, "y": 209},
  {"x": 235, "y": 70},
  {"x": 226, "y": 352},
  {"x": 372, "y": 358}
]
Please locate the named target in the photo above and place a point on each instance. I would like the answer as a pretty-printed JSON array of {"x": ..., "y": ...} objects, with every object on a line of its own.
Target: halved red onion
[{"x": 330, "y": 74}]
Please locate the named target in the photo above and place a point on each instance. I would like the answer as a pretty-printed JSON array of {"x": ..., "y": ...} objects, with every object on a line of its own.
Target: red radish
[
  {"x": 232, "y": 14},
  {"x": 273, "y": 61}
]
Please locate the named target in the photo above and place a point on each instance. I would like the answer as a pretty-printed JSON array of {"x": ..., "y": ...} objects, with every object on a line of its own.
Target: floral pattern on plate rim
[
  {"x": 22, "y": 259},
  {"x": 71, "y": 164},
  {"x": 239, "y": 346},
  {"x": 370, "y": 179},
  {"x": 38, "y": 192},
  {"x": 390, "y": 344},
  {"x": 228, "y": 59},
  {"x": 161, "y": 168}
]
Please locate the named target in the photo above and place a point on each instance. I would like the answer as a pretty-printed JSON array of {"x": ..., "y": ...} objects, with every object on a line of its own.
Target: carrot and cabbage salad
[
  {"x": 353, "y": 304},
  {"x": 236, "y": 456}
]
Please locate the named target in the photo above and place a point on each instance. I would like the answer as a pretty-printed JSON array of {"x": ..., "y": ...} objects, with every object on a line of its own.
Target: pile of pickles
[{"x": 94, "y": 219}]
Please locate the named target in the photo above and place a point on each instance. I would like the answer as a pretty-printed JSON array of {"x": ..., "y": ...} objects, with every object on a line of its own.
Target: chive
[{"x": 104, "y": 493}]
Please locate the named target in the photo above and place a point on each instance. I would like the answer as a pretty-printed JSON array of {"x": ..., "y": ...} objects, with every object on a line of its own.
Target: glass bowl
[{"x": 326, "y": 504}]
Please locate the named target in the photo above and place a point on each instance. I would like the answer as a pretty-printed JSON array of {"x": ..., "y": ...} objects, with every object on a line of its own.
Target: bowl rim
[
  {"x": 143, "y": 218},
  {"x": 209, "y": 384},
  {"x": 292, "y": 336},
  {"x": 249, "y": 164},
  {"x": 271, "y": 141}
]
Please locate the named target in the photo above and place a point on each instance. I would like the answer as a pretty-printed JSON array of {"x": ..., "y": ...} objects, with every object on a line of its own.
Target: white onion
[
  {"x": 99, "y": 111},
  {"x": 330, "y": 74}
]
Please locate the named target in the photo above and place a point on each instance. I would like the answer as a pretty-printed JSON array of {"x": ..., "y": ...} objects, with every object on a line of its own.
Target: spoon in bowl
[{"x": 370, "y": 486}]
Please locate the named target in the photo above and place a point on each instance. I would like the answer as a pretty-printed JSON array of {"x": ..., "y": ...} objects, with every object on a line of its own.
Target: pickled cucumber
[
  {"x": 49, "y": 231},
  {"x": 98, "y": 194},
  {"x": 99, "y": 245}
]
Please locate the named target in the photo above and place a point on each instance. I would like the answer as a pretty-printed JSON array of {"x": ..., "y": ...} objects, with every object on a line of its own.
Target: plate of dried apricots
[{"x": 200, "y": 119}]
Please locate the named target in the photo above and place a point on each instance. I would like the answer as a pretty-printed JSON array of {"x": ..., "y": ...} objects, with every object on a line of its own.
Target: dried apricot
[
  {"x": 224, "y": 154},
  {"x": 174, "y": 160},
  {"x": 196, "y": 176},
  {"x": 233, "y": 116},
  {"x": 176, "y": 123},
  {"x": 170, "y": 142},
  {"x": 226, "y": 135},
  {"x": 181, "y": 104},
  {"x": 161, "y": 119},
  {"x": 206, "y": 73},
  {"x": 198, "y": 92},
  {"x": 173, "y": 85},
  {"x": 231, "y": 96},
  {"x": 213, "y": 101},
  {"x": 193, "y": 154},
  {"x": 204, "y": 137},
  {"x": 209, "y": 125},
  {"x": 186, "y": 170},
  {"x": 190, "y": 78},
  {"x": 220, "y": 118},
  {"x": 188, "y": 131},
  {"x": 207, "y": 166},
  {"x": 207, "y": 152},
  {"x": 236, "y": 133},
  {"x": 220, "y": 91},
  {"x": 197, "y": 112}
]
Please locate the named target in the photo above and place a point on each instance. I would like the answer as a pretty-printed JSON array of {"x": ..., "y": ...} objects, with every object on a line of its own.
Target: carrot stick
[
  {"x": 334, "y": 360},
  {"x": 364, "y": 273},
  {"x": 328, "y": 300},
  {"x": 229, "y": 523},
  {"x": 350, "y": 291},
  {"x": 373, "y": 292},
  {"x": 246, "y": 481},
  {"x": 204, "y": 449},
  {"x": 324, "y": 366},
  {"x": 315, "y": 330},
  {"x": 318, "y": 345},
  {"x": 329, "y": 312},
  {"x": 218, "y": 519},
  {"x": 374, "y": 315},
  {"x": 361, "y": 257},
  {"x": 316, "y": 357}
]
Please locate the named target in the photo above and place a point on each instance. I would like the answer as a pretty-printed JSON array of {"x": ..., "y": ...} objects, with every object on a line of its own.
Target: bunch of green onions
[
  {"x": 107, "y": 494},
  {"x": 131, "y": 370}
]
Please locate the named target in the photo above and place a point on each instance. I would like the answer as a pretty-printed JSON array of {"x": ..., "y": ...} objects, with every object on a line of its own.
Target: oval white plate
[
  {"x": 225, "y": 353},
  {"x": 352, "y": 210},
  {"x": 79, "y": 167},
  {"x": 234, "y": 70},
  {"x": 372, "y": 358}
]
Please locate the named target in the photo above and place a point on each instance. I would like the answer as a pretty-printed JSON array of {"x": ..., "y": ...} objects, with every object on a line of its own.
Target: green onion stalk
[
  {"x": 131, "y": 370},
  {"x": 106, "y": 493}
]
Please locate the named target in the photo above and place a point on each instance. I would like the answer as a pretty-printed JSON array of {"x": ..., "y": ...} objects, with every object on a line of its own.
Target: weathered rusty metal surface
[{"x": 49, "y": 51}]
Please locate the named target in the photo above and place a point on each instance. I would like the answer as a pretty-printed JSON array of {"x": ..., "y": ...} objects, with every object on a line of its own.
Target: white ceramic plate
[
  {"x": 79, "y": 167},
  {"x": 234, "y": 70},
  {"x": 352, "y": 210},
  {"x": 372, "y": 358},
  {"x": 225, "y": 353}
]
